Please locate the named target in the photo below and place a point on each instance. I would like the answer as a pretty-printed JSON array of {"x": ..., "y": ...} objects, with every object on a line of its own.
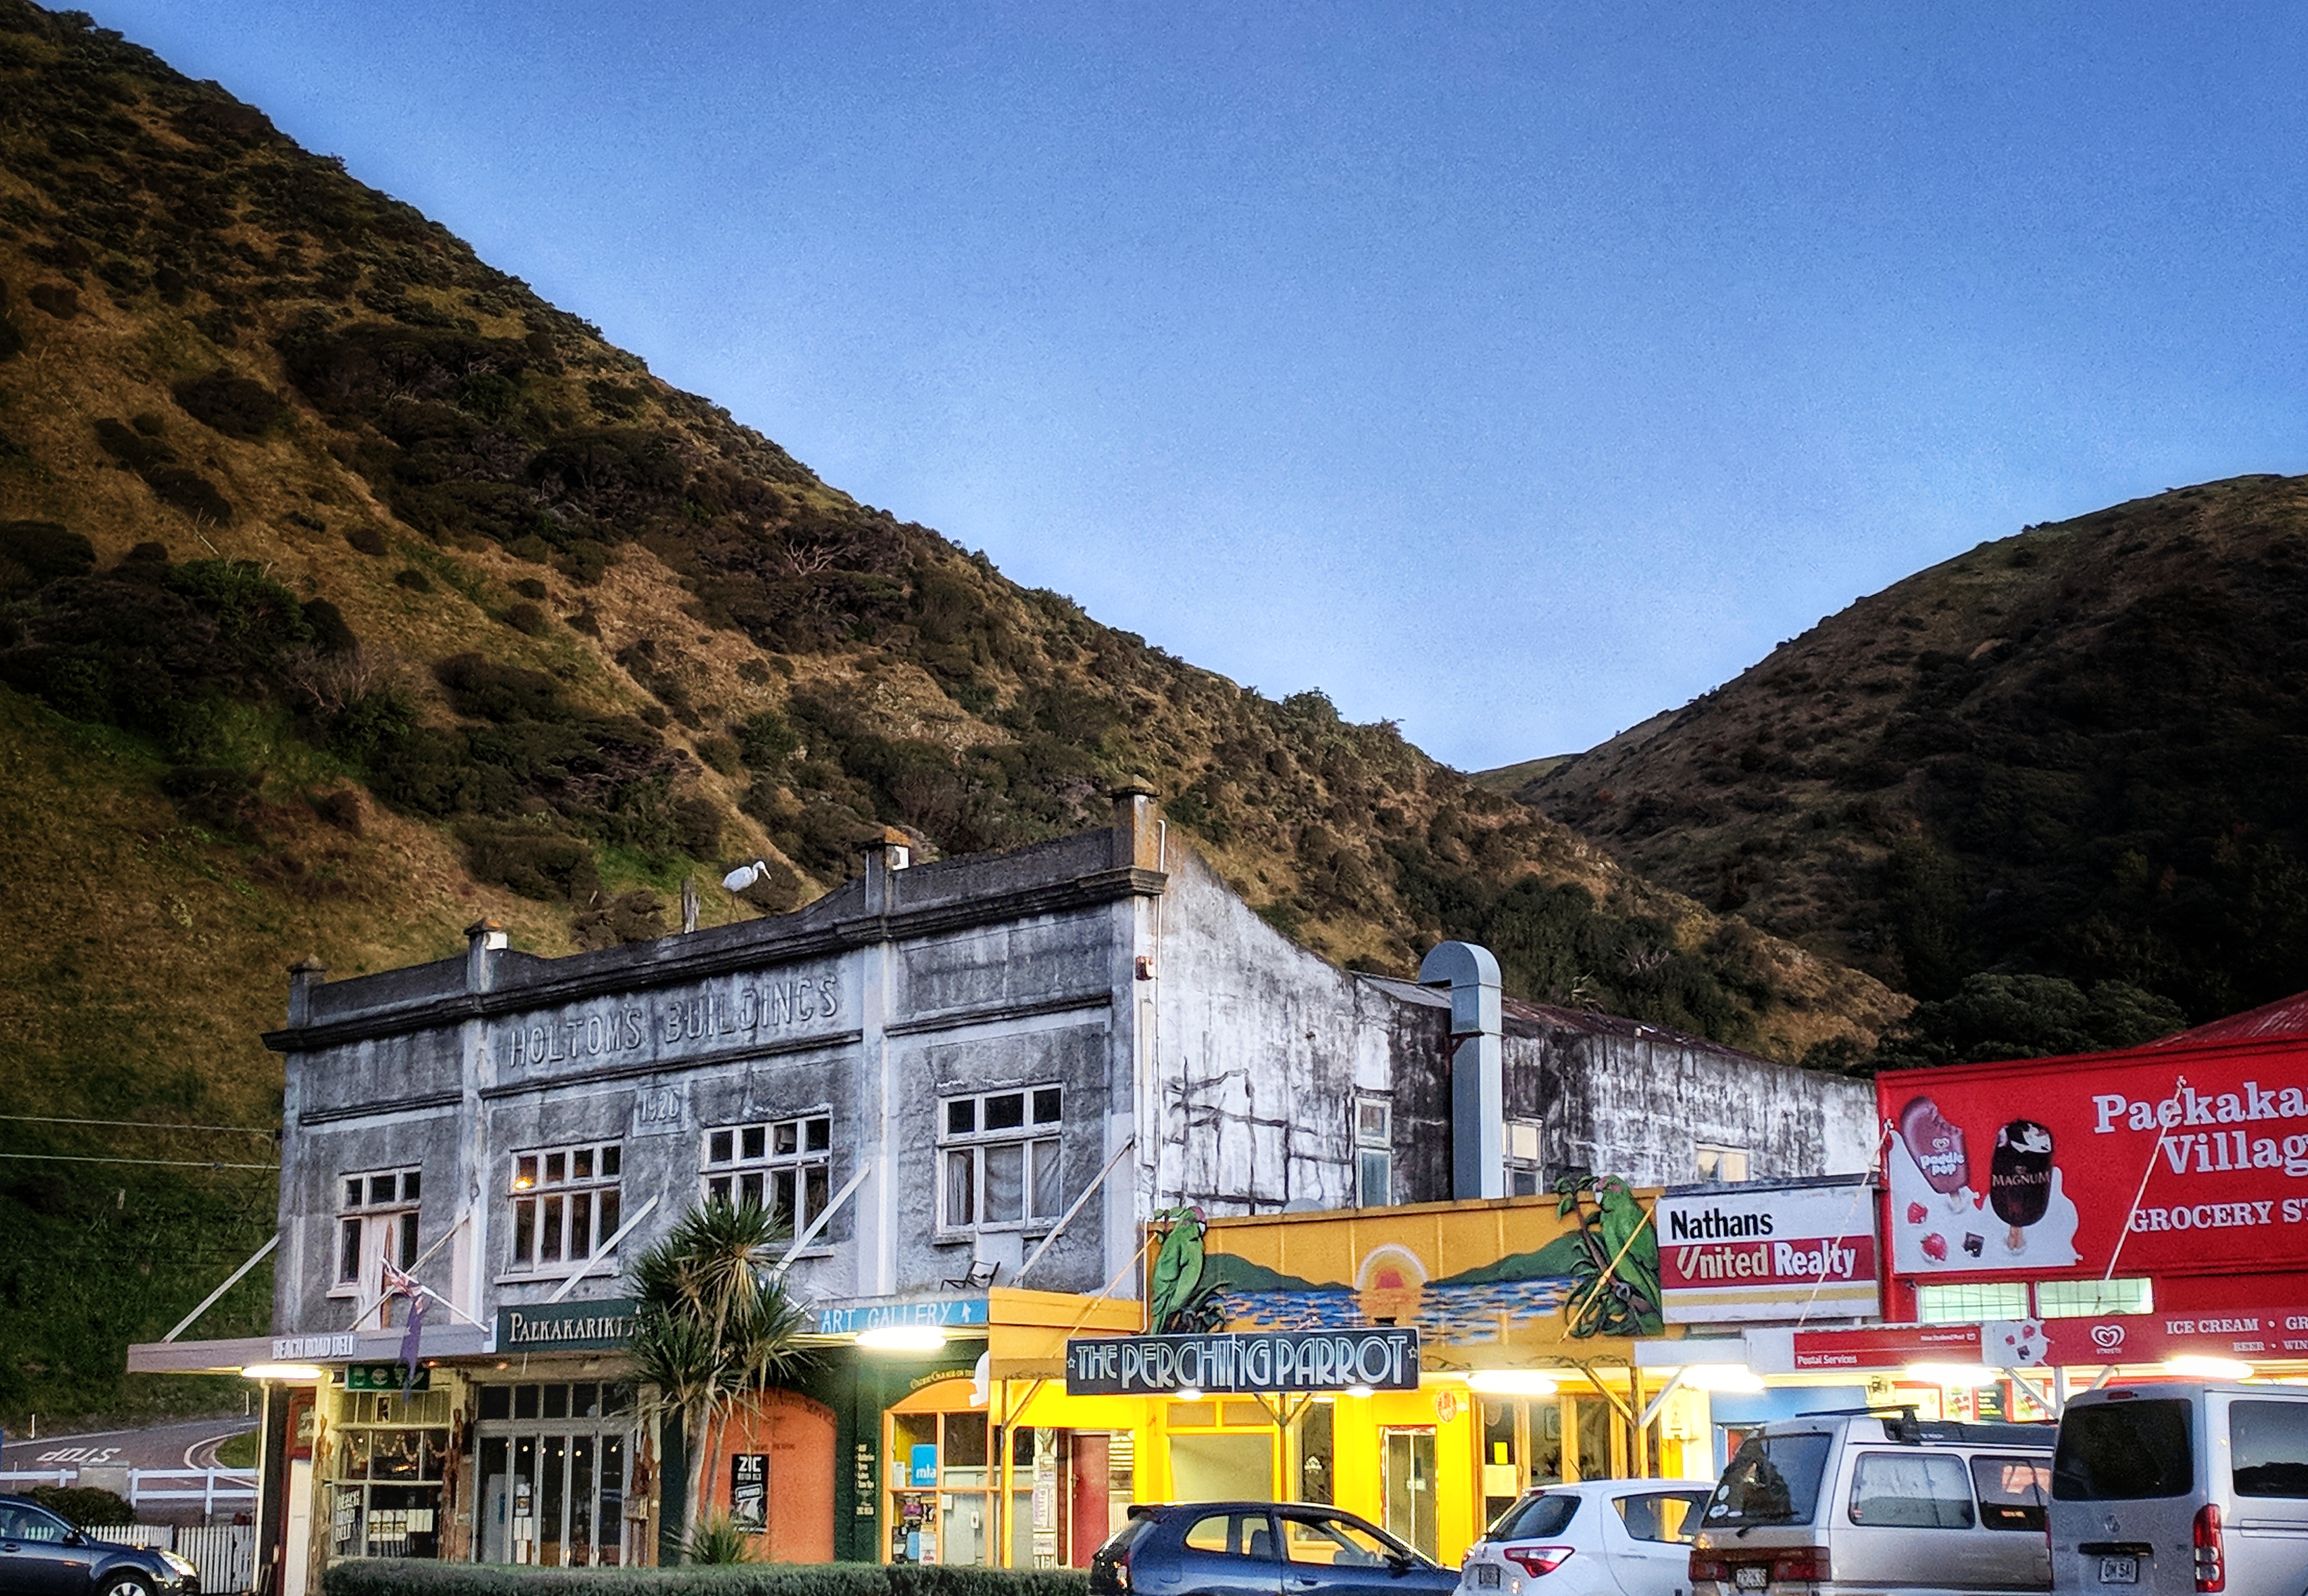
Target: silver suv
[
  {"x": 1878, "y": 1500},
  {"x": 2183, "y": 1486}
]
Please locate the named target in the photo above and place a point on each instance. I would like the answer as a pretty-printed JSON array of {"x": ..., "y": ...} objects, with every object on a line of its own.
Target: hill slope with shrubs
[
  {"x": 348, "y": 591},
  {"x": 2077, "y": 757}
]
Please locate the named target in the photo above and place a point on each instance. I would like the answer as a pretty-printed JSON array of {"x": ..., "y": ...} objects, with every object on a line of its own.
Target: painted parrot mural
[{"x": 1617, "y": 1266}]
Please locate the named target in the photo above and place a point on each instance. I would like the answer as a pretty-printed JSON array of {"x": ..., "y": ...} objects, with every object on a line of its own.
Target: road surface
[{"x": 179, "y": 1443}]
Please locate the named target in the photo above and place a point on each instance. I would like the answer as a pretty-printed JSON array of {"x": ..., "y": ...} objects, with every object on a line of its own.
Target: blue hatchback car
[
  {"x": 42, "y": 1555},
  {"x": 1259, "y": 1549}
]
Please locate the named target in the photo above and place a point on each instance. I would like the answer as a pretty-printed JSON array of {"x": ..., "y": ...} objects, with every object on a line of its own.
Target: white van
[
  {"x": 1861, "y": 1504},
  {"x": 2181, "y": 1488}
]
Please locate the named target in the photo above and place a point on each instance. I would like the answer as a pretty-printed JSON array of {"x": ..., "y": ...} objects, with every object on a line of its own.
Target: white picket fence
[
  {"x": 225, "y": 1554},
  {"x": 213, "y": 1488}
]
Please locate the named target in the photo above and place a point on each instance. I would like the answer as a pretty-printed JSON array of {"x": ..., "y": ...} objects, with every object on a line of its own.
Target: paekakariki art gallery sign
[
  {"x": 2036, "y": 1167},
  {"x": 1795, "y": 1252}
]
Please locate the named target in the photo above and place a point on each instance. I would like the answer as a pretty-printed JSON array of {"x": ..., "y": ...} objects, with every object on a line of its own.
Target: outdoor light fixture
[
  {"x": 1953, "y": 1374},
  {"x": 1510, "y": 1382},
  {"x": 2196, "y": 1366},
  {"x": 1188, "y": 1394},
  {"x": 295, "y": 1372},
  {"x": 1358, "y": 1391},
  {"x": 1721, "y": 1377},
  {"x": 902, "y": 1338}
]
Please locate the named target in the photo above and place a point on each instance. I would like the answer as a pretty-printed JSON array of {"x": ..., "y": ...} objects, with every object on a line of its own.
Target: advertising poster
[
  {"x": 749, "y": 1491},
  {"x": 1785, "y": 1252},
  {"x": 2035, "y": 1168}
]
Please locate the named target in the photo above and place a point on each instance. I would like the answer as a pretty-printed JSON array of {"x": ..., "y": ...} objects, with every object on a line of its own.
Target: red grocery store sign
[
  {"x": 1887, "y": 1346},
  {"x": 1772, "y": 1253},
  {"x": 2033, "y": 1166}
]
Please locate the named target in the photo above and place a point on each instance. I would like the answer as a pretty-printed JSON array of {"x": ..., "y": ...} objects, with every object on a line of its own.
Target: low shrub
[
  {"x": 384, "y": 1578},
  {"x": 235, "y": 406},
  {"x": 86, "y": 1505}
]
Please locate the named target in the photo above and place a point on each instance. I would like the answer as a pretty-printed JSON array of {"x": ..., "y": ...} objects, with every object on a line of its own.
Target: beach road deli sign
[
  {"x": 1383, "y": 1359},
  {"x": 603, "y": 1326}
]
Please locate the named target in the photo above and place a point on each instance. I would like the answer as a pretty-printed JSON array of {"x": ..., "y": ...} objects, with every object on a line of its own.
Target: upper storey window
[
  {"x": 565, "y": 1203},
  {"x": 1000, "y": 1159},
  {"x": 784, "y": 1165}
]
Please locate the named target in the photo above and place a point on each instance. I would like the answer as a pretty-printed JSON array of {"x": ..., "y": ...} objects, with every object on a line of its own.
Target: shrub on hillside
[{"x": 237, "y": 405}]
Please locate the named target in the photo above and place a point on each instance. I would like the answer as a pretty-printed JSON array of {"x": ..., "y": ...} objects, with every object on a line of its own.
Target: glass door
[
  {"x": 1407, "y": 1462},
  {"x": 554, "y": 1461}
]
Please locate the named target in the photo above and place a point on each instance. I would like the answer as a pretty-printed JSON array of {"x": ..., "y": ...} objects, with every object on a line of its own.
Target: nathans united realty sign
[
  {"x": 1785, "y": 1252},
  {"x": 2035, "y": 1166}
]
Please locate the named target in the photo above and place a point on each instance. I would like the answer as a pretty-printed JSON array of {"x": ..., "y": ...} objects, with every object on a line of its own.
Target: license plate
[
  {"x": 2119, "y": 1571},
  {"x": 1751, "y": 1576},
  {"x": 1486, "y": 1574}
]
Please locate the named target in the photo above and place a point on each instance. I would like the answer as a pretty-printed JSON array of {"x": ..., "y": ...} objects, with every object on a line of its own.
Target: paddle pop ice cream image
[
  {"x": 2020, "y": 1177},
  {"x": 1937, "y": 1147}
]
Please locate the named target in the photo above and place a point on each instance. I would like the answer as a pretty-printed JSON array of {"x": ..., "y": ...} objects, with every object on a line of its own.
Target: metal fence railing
[{"x": 214, "y": 1489}]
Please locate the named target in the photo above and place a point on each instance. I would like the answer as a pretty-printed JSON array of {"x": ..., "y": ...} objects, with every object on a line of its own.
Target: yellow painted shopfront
[{"x": 1012, "y": 1469}]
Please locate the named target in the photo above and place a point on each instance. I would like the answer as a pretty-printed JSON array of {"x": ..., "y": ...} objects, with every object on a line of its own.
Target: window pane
[
  {"x": 960, "y": 1194},
  {"x": 497, "y": 1402},
  {"x": 407, "y": 1259},
  {"x": 789, "y": 1140},
  {"x": 410, "y": 1185},
  {"x": 753, "y": 1142},
  {"x": 749, "y": 1188},
  {"x": 961, "y": 1116},
  {"x": 524, "y": 1232},
  {"x": 610, "y": 1157},
  {"x": 1668, "y": 1516},
  {"x": 379, "y": 1188},
  {"x": 1370, "y": 1123},
  {"x": 348, "y": 1249},
  {"x": 821, "y": 1134},
  {"x": 718, "y": 1148},
  {"x": 1374, "y": 1184},
  {"x": 580, "y": 1164},
  {"x": 1005, "y": 1111},
  {"x": 1005, "y": 1183},
  {"x": 581, "y": 1225},
  {"x": 2014, "y": 1492},
  {"x": 814, "y": 1195},
  {"x": 556, "y": 1401},
  {"x": 2272, "y": 1448},
  {"x": 1046, "y": 1106},
  {"x": 1910, "y": 1491},
  {"x": 353, "y": 1192},
  {"x": 548, "y": 1247},
  {"x": 524, "y": 1173},
  {"x": 555, "y": 1168},
  {"x": 1048, "y": 1167},
  {"x": 524, "y": 1402},
  {"x": 781, "y": 1194},
  {"x": 717, "y": 1190},
  {"x": 606, "y": 1205}
]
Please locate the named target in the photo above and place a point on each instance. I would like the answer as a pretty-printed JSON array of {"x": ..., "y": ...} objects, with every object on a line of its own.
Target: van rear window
[
  {"x": 2269, "y": 1443},
  {"x": 2122, "y": 1452},
  {"x": 1774, "y": 1480}
]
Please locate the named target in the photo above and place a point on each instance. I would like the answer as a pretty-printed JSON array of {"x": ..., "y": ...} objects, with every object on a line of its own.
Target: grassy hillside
[
  {"x": 348, "y": 591},
  {"x": 2078, "y": 753}
]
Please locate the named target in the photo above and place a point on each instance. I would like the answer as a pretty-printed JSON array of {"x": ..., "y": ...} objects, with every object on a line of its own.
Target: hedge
[{"x": 393, "y": 1577}]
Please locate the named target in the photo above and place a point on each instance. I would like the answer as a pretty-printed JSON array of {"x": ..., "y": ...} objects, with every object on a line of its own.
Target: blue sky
[{"x": 1511, "y": 372}]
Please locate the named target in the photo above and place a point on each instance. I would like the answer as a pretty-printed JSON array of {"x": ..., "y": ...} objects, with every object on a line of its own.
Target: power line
[
  {"x": 138, "y": 1125},
  {"x": 170, "y": 1163}
]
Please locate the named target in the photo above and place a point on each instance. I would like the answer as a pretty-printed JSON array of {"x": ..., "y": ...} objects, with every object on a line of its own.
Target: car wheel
[{"x": 123, "y": 1583}]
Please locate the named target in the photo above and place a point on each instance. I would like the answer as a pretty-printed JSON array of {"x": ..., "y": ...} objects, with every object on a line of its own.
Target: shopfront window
[
  {"x": 565, "y": 1203},
  {"x": 387, "y": 1461},
  {"x": 376, "y": 1222},
  {"x": 783, "y": 1165},
  {"x": 1317, "y": 1469},
  {"x": 555, "y": 1461},
  {"x": 1000, "y": 1155}
]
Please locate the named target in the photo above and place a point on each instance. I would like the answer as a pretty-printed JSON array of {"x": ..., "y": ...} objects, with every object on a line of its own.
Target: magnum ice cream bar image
[
  {"x": 2020, "y": 1177},
  {"x": 1937, "y": 1148}
]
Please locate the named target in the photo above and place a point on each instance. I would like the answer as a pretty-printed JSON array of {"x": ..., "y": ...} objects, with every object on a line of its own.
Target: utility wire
[
  {"x": 138, "y": 1125},
  {"x": 170, "y": 1163}
]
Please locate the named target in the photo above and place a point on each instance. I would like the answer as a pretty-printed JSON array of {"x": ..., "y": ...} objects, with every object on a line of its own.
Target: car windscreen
[
  {"x": 2123, "y": 1451},
  {"x": 1536, "y": 1518},
  {"x": 1774, "y": 1480}
]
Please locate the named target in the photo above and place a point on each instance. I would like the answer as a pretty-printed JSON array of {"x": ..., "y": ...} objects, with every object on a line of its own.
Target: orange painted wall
[{"x": 798, "y": 1434}]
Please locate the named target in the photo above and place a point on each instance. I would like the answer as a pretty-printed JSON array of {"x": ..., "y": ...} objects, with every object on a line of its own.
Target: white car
[{"x": 1598, "y": 1538}]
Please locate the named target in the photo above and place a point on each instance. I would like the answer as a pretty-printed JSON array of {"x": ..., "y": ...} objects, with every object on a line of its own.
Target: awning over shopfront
[{"x": 1025, "y": 1332}]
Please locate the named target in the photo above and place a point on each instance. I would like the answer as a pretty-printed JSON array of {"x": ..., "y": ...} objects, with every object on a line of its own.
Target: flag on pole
[{"x": 399, "y": 1283}]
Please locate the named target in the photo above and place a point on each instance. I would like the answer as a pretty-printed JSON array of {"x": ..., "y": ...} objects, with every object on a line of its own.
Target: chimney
[
  {"x": 1478, "y": 1066},
  {"x": 1137, "y": 826},
  {"x": 304, "y": 975},
  {"x": 885, "y": 855},
  {"x": 483, "y": 938}
]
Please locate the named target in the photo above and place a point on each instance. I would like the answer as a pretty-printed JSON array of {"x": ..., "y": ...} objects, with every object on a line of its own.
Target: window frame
[
  {"x": 1373, "y": 1148},
  {"x": 1032, "y": 1134},
  {"x": 356, "y": 1233},
  {"x": 1930, "y": 1462},
  {"x": 606, "y": 1158},
  {"x": 1707, "y": 1161},
  {"x": 1532, "y": 1164},
  {"x": 725, "y": 1180}
]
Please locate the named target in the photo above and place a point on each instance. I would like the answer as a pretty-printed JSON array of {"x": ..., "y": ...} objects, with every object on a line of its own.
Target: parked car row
[{"x": 2161, "y": 1490}]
